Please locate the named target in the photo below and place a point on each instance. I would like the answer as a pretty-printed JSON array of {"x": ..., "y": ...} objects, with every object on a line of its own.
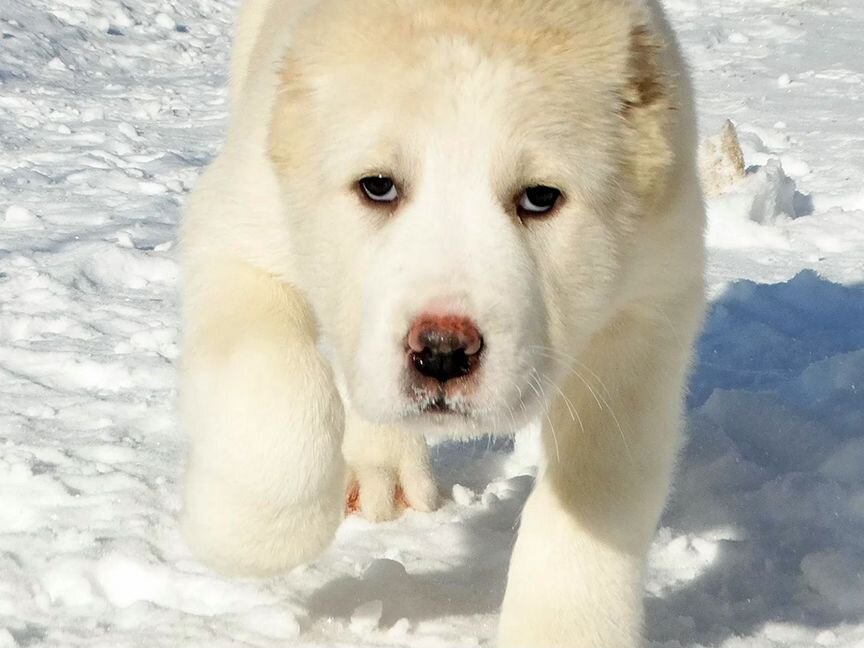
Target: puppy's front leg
[
  {"x": 265, "y": 477},
  {"x": 569, "y": 586},
  {"x": 576, "y": 576}
]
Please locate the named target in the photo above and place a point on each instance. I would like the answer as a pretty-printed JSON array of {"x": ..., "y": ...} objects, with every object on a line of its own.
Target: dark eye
[
  {"x": 538, "y": 200},
  {"x": 379, "y": 189}
]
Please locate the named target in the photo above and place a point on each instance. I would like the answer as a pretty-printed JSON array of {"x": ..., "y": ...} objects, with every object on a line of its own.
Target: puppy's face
[{"x": 459, "y": 206}]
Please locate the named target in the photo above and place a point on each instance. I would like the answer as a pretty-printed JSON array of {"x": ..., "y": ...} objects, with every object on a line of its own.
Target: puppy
[{"x": 487, "y": 211}]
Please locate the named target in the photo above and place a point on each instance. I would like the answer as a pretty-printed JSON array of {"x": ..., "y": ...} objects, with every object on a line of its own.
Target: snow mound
[{"x": 766, "y": 519}]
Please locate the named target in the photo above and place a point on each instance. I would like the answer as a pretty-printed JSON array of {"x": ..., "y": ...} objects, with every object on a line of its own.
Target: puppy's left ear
[{"x": 648, "y": 108}]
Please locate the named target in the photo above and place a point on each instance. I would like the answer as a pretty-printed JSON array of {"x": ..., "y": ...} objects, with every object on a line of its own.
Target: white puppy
[{"x": 489, "y": 211}]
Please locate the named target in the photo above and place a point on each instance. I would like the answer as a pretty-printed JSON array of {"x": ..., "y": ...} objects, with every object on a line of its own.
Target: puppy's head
[{"x": 462, "y": 182}]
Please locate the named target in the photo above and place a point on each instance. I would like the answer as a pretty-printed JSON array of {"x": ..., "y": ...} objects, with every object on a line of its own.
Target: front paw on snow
[{"x": 380, "y": 494}]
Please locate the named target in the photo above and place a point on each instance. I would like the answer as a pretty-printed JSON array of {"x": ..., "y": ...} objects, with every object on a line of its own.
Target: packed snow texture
[{"x": 108, "y": 112}]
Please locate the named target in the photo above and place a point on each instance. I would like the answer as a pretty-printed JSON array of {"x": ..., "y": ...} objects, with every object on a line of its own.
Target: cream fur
[{"x": 588, "y": 315}]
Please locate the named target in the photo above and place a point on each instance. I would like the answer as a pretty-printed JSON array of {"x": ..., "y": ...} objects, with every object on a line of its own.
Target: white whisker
[
  {"x": 602, "y": 402},
  {"x": 574, "y": 414},
  {"x": 545, "y": 405}
]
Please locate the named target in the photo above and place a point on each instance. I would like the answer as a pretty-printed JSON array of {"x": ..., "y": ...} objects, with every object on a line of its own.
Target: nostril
[{"x": 474, "y": 346}]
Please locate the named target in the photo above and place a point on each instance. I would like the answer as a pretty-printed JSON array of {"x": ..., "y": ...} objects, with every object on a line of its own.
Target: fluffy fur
[{"x": 588, "y": 314}]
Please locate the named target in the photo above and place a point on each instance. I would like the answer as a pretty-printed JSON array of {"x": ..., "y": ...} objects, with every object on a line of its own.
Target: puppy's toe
[
  {"x": 373, "y": 494},
  {"x": 419, "y": 488},
  {"x": 380, "y": 494}
]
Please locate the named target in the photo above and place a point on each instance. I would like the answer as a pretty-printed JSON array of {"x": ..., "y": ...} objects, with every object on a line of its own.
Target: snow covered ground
[{"x": 108, "y": 111}]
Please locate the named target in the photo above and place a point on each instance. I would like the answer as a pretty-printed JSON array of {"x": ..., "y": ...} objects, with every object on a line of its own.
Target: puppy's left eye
[
  {"x": 538, "y": 200},
  {"x": 380, "y": 189}
]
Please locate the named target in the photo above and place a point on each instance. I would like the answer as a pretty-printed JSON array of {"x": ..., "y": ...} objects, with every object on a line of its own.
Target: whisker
[
  {"x": 570, "y": 362},
  {"x": 571, "y": 408},
  {"x": 501, "y": 399},
  {"x": 575, "y": 372},
  {"x": 670, "y": 323},
  {"x": 545, "y": 405},
  {"x": 599, "y": 398}
]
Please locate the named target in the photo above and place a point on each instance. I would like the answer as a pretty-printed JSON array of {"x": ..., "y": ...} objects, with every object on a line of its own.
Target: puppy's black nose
[{"x": 444, "y": 347}]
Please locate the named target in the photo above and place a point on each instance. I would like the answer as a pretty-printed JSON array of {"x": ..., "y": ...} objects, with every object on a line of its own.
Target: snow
[{"x": 108, "y": 112}]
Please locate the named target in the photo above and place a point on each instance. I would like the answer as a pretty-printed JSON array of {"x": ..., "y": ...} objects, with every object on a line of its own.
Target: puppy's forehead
[
  {"x": 383, "y": 82},
  {"x": 405, "y": 51}
]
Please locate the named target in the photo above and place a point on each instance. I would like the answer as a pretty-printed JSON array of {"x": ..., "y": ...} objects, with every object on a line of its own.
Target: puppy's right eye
[{"x": 380, "y": 189}]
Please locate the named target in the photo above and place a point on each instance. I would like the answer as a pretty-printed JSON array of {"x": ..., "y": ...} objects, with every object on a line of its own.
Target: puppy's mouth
[{"x": 437, "y": 404}]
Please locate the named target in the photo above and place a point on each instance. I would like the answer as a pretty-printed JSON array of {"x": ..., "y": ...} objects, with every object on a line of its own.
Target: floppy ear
[{"x": 648, "y": 109}]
